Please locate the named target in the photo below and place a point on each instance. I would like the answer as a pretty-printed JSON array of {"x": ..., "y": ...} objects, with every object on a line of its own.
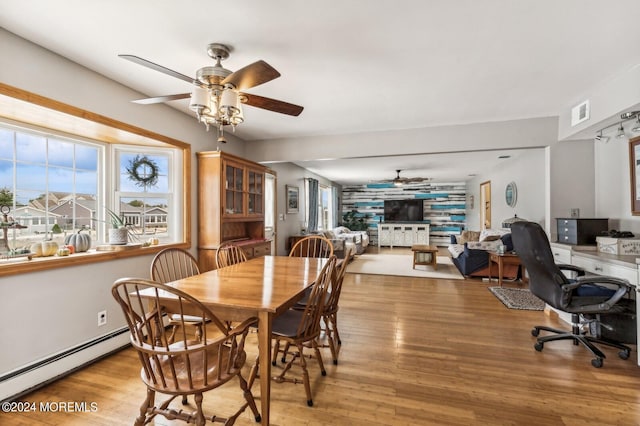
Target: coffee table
[{"x": 424, "y": 255}]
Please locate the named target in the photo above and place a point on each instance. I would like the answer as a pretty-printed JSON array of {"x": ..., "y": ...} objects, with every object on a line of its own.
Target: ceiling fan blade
[
  {"x": 160, "y": 99},
  {"x": 271, "y": 104},
  {"x": 252, "y": 75},
  {"x": 156, "y": 67}
]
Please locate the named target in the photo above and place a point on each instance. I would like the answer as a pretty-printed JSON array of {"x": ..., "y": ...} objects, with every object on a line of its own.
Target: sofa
[
  {"x": 470, "y": 252},
  {"x": 342, "y": 237}
]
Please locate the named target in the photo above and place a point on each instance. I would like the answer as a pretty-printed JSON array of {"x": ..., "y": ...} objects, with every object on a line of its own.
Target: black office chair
[{"x": 584, "y": 295}]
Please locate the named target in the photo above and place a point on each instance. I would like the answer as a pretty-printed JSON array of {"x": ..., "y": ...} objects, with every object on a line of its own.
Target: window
[
  {"x": 325, "y": 208},
  {"x": 56, "y": 185}
]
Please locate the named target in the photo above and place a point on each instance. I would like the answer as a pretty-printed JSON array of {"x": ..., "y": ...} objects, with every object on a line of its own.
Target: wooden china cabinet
[{"x": 230, "y": 206}]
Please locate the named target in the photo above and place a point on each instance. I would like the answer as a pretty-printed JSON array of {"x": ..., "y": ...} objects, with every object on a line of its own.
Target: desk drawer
[
  {"x": 561, "y": 255},
  {"x": 601, "y": 268}
]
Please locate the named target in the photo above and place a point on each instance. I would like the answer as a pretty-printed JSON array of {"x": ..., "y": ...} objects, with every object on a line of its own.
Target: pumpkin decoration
[
  {"x": 81, "y": 242},
  {"x": 49, "y": 248},
  {"x": 36, "y": 249},
  {"x": 71, "y": 248},
  {"x": 64, "y": 251}
]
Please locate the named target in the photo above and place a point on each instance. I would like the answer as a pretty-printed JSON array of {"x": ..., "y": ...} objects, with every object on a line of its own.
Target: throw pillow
[
  {"x": 467, "y": 236},
  {"x": 491, "y": 234}
]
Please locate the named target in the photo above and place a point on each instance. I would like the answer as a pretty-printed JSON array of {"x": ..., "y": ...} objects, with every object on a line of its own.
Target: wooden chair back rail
[
  {"x": 312, "y": 246},
  {"x": 310, "y": 324},
  {"x": 229, "y": 254},
  {"x": 180, "y": 365},
  {"x": 173, "y": 264}
]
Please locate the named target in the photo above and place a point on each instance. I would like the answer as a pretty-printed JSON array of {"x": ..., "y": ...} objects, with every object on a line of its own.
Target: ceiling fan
[
  {"x": 399, "y": 181},
  {"x": 216, "y": 97}
]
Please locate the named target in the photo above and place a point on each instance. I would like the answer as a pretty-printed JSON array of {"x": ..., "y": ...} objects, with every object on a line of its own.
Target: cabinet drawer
[
  {"x": 567, "y": 238},
  {"x": 262, "y": 250},
  {"x": 567, "y": 225},
  {"x": 561, "y": 255},
  {"x": 601, "y": 268}
]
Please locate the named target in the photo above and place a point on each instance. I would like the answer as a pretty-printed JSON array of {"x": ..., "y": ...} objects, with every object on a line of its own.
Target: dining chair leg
[
  {"x": 305, "y": 377},
  {"x": 314, "y": 344},
  {"x": 332, "y": 345},
  {"x": 253, "y": 374},
  {"x": 148, "y": 402},
  {"x": 248, "y": 396},
  {"x": 200, "y": 419},
  {"x": 285, "y": 351},
  {"x": 276, "y": 349}
]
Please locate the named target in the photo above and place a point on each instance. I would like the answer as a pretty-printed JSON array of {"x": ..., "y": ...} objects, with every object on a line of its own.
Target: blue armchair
[{"x": 474, "y": 262}]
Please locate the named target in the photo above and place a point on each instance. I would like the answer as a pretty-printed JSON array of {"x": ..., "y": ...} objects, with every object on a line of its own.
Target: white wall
[
  {"x": 527, "y": 170},
  {"x": 613, "y": 185},
  {"x": 45, "y": 312},
  {"x": 572, "y": 183},
  {"x": 529, "y": 133},
  {"x": 290, "y": 174}
]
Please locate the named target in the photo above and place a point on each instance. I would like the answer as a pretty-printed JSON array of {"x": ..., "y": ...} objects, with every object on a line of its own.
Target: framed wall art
[
  {"x": 293, "y": 199},
  {"x": 634, "y": 169}
]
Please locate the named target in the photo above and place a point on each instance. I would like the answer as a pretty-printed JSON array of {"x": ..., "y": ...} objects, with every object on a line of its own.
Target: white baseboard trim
[{"x": 27, "y": 378}]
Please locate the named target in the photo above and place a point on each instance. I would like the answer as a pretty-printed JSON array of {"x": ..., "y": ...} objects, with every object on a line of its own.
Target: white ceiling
[{"x": 355, "y": 65}]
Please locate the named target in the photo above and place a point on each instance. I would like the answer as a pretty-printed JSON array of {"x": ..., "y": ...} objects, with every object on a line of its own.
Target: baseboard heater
[{"x": 26, "y": 379}]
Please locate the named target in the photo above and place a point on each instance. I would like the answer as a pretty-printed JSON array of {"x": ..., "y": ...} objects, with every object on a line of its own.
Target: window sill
[{"x": 23, "y": 265}]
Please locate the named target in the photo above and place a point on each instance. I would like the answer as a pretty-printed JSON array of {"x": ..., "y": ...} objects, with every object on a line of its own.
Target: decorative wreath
[{"x": 143, "y": 171}]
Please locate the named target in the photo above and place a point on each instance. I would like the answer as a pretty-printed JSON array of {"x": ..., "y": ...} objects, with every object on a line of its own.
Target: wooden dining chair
[
  {"x": 331, "y": 306},
  {"x": 172, "y": 264},
  {"x": 229, "y": 254},
  {"x": 312, "y": 246},
  {"x": 299, "y": 329},
  {"x": 182, "y": 366}
]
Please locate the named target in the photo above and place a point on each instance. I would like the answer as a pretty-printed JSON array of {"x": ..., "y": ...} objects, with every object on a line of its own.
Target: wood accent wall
[{"x": 444, "y": 205}]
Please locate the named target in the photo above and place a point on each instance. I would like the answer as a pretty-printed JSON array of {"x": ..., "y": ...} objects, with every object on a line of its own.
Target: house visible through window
[{"x": 53, "y": 185}]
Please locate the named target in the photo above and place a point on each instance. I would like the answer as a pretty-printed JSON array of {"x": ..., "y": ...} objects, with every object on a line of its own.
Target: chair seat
[
  {"x": 193, "y": 368},
  {"x": 286, "y": 325}
]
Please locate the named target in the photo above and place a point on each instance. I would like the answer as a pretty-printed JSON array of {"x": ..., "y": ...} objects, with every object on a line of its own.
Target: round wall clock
[{"x": 511, "y": 194}]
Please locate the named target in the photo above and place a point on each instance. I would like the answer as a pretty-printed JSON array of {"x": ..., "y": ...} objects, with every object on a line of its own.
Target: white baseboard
[{"x": 29, "y": 377}]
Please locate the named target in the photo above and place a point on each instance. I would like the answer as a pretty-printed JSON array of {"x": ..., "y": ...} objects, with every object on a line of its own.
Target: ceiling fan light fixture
[
  {"x": 216, "y": 97},
  {"x": 200, "y": 100}
]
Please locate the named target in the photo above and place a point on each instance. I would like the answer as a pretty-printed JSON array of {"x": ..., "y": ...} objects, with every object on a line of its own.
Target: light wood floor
[{"x": 415, "y": 352}]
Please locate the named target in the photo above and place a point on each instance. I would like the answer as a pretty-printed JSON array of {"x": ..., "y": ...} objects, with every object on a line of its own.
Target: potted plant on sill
[{"x": 120, "y": 231}]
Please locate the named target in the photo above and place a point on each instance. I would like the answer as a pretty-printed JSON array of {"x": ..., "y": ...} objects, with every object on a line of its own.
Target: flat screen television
[{"x": 410, "y": 210}]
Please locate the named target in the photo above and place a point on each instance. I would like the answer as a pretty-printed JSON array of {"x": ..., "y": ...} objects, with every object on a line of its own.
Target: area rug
[
  {"x": 401, "y": 265},
  {"x": 517, "y": 298}
]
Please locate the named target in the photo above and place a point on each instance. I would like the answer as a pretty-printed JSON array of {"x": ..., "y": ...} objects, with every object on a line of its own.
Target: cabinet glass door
[
  {"x": 255, "y": 189},
  {"x": 233, "y": 190}
]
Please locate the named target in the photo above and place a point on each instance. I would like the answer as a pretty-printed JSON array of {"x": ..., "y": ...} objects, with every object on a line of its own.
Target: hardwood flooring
[{"x": 415, "y": 351}]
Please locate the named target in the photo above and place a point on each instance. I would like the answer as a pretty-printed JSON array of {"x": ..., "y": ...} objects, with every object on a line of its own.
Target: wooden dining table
[{"x": 263, "y": 287}]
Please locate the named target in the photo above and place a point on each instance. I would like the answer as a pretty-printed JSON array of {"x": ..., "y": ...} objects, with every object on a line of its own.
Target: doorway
[
  {"x": 270, "y": 210},
  {"x": 485, "y": 205}
]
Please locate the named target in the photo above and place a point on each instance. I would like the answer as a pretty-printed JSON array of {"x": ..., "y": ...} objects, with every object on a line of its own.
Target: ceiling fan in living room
[
  {"x": 399, "y": 181},
  {"x": 216, "y": 96}
]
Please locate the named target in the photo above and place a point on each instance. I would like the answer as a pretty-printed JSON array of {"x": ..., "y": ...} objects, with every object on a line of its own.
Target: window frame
[{"x": 26, "y": 109}]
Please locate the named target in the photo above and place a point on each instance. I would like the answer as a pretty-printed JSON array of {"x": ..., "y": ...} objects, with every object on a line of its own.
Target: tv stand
[{"x": 403, "y": 234}]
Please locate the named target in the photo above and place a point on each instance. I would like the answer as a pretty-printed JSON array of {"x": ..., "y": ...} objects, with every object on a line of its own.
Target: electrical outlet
[
  {"x": 102, "y": 318},
  {"x": 575, "y": 212}
]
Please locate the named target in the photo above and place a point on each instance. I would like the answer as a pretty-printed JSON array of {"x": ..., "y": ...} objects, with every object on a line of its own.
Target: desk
[
  {"x": 505, "y": 259},
  {"x": 263, "y": 287}
]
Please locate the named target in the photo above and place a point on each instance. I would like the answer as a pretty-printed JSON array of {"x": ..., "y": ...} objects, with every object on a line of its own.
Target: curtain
[
  {"x": 335, "y": 207},
  {"x": 312, "y": 202}
]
